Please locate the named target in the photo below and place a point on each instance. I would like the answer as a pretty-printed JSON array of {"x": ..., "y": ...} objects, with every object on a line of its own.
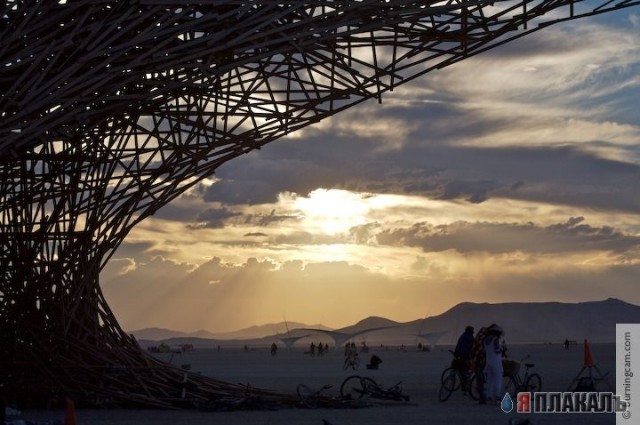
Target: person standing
[
  {"x": 494, "y": 350},
  {"x": 464, "y": 346},
  {"x": 478, "y": 361}
]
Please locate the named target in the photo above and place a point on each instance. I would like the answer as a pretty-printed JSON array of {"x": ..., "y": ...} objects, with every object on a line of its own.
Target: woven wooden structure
[{"x": 111, "y": 109}]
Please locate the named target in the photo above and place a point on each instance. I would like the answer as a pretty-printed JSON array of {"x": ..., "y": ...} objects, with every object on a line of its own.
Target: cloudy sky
[{"x": 512, "y": 176}]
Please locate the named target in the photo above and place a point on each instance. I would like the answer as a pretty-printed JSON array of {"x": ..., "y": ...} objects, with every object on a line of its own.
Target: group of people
[
  {"x": 321, "y": 349},
  {"x": 482, "y": 353}
]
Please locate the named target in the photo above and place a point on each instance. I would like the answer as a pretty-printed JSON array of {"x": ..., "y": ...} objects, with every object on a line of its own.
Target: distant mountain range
[
  {"x": 522, "y": 322},
  {"x": 253, "y": 332},
  {"x": 540, "y": 322}
]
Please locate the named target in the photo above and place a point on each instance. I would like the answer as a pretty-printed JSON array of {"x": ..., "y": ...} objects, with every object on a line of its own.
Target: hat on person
[{"x": 495, "y": 328}]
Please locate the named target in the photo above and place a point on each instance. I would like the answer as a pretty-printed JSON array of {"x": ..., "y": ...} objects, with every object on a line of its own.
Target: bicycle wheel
[
  {"x": 307, "y": 397},
  {"x": 451, "y": 377},
  {"x": 533, "y": 384},
  {"x": 352, "y": 388},
  {"x": 510, "y": 385},
  {"x": 474, "y": 391},
  {"x": 369, "y": 386},
  {"x": 449, "y": 384}
]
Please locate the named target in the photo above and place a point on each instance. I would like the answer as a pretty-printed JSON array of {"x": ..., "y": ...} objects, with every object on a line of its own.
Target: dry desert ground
[{"x": 418, "y": 371}]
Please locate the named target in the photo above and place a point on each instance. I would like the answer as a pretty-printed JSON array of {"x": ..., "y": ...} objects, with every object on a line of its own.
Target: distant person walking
[
  {"x": 494, "y": 349},
  {"x": 351, "y": 356}
]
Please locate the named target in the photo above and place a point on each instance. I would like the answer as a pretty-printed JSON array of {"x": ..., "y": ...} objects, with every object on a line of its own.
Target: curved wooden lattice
[{"x": 111, "y": 109}]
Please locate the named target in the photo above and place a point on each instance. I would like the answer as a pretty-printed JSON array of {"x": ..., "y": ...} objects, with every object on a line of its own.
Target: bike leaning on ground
[
  {"x": 356, "y": 387},
  {"x": 310, "y": 398}
]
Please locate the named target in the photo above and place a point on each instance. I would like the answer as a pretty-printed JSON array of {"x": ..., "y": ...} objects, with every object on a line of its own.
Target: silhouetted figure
[
  {"x": 374, "y": 362},
  {"x": 462, "y": 351},
  {"x": 478, "y": 360},
  {"x": 495, "y": 349},
  {"x": 274, "y": 349},
  {"x": 566, "y": 344}
]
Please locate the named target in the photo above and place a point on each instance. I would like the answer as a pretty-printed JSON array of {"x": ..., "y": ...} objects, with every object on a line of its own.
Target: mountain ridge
[
  {"x": 251, "y": 332},
  {"x": 523, "y": 322}
]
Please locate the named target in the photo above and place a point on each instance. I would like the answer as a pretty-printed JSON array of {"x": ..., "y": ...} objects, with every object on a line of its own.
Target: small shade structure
[
  {"x": 340, "y": 338},
  {"x": 431, "y": 338},
  {"x": 290, "y": 340}
]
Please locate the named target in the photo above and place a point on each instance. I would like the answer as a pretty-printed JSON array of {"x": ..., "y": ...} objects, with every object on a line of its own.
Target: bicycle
[
  {"x": 308, "y": 397},
  {"x": 356, "y": 386},
  {"x": 455, "y": 377},
  {"x": 513, "y": 383}
]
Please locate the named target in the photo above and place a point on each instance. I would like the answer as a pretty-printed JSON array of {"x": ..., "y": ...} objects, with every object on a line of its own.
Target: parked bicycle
[
  {"x": 356, "y": 387},
  {"x": 514, "y": 383},
  {"x": 455, "y": 377},
  {"x": 309, "y": 398}
]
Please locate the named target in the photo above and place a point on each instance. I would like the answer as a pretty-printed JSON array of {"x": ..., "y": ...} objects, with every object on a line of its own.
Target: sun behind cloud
[{"x": 333, "y": 211}]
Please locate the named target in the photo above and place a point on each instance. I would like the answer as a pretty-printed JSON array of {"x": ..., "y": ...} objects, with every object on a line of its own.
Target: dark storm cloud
[
  {"x": 329, "y": 158},
  {"x": 217, "y": 218},
  {"x": 306, "y": 238},
  {"x": 134, "y": 249},
  {"x": 264, "y": 220},
  {"x": 258, "y": 178},
  {"x": 527, "y": 47},
  {"x": 474, "y": 192},
  {"x": 440, "y": 123},
  {"x": 129, "y": 253},
  {"x": 430, "y": 147},
  {"x": 322, "y": 159},
  {"x": 213, "y": 218},
  {"x": 178, "y": 211},
  {"x": 238, "y": 189},
  {"x": 564, "y": 175},
  {"x": 571, "y": 236},
  {"x": 430, "y": 163}
]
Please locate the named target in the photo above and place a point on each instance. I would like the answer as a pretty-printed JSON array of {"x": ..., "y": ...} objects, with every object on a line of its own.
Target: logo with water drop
[{"x": 507, "y": 403}]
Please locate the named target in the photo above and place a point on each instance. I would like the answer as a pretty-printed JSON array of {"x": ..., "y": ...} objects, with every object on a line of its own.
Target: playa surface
[{"x": 418, "y": 371}]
